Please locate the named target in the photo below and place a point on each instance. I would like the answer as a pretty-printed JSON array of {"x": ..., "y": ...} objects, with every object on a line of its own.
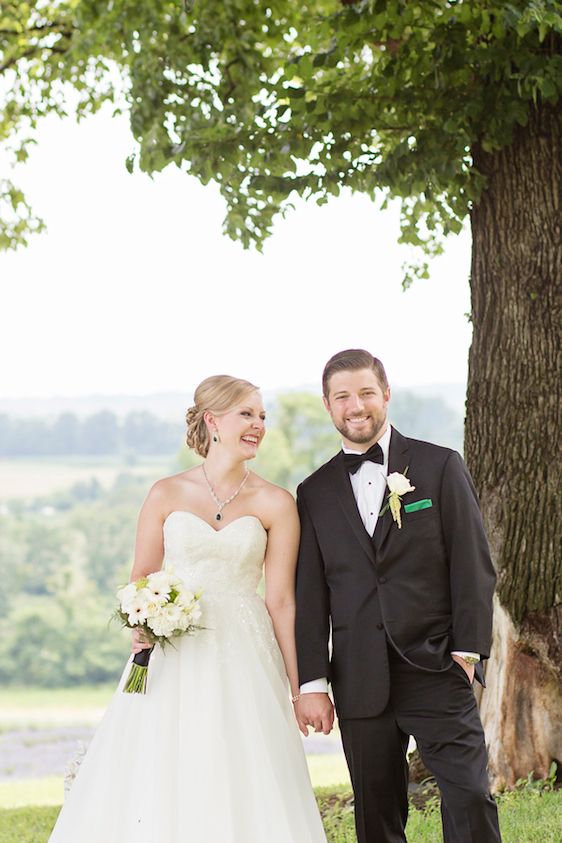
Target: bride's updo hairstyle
[{"x": 218, "y": 394}]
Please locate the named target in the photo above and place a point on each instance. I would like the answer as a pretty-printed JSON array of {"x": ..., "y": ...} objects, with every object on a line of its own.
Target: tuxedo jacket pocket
[
  {"x": 429, "y": 513},
  {"x": 414, "y": 506}
]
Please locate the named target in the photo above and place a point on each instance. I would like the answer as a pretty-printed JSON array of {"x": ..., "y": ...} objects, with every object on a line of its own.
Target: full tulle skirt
[{"x": 211, "y": 753}]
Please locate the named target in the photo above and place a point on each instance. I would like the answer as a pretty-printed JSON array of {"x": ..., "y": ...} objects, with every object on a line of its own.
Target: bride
[{"x": 211, "y": 753}]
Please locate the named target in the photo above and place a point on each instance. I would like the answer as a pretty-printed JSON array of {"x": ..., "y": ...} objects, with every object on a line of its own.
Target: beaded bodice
[{"x": 229, "y": 560}]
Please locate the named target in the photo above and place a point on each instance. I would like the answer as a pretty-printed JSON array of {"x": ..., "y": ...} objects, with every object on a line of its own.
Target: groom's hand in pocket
[
  {"x": 468, "y": 668},
  {"x": 316, "y": 710}
]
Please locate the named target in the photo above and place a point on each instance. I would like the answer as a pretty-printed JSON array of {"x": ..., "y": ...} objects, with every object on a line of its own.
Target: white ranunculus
[
  {"x": 160, "y": 628},
  {"x": 166, "y": 620},
  {"x": 398, "y": 483}
]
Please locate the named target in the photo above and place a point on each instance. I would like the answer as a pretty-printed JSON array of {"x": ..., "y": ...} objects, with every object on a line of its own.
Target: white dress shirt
[{"x": 369, "y": 485}]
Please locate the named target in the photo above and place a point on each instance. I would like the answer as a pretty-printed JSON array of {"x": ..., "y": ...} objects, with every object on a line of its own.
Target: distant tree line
[
  {"x": 101, "y": 434},
  {"x": 298, "y": 416}
]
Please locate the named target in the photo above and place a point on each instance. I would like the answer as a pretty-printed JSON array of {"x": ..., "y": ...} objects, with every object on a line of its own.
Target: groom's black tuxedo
[
  {"x": 420, "y": 591},
  {"x": 426, "y": 587}
]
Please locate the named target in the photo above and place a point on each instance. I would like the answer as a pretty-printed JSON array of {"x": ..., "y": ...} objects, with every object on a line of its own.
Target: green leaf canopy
[{"x": 279, "y": 99}]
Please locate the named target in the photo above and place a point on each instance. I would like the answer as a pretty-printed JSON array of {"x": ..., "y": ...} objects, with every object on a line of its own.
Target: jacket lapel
[
  {"x": 344, "y": 492},
  {"x": 398, "y": 460}
]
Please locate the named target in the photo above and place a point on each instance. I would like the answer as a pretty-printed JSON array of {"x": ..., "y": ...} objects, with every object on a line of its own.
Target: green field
[
  {"x": 34, "y": 708},
  {"x": 25, "y": 478}
]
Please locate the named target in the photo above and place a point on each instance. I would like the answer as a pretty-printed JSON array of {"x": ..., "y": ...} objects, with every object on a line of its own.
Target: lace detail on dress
[
  {"x": 226, "y": 565},
  {"x": 226, "y": 561}
]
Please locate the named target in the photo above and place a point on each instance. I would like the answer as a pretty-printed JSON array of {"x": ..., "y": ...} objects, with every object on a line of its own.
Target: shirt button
[
  {"x": 382, "y": 580},
  {"x": 380, "y": 626}
]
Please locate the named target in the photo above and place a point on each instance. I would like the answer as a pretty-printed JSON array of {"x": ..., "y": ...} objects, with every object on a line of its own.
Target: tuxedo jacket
[{"x": 424, "y": 589}]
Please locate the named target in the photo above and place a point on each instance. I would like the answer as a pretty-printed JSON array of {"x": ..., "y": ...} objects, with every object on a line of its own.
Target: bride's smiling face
[{"x": 242, "y": 428}]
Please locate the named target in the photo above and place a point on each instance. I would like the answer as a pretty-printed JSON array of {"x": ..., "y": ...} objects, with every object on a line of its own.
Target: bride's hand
[{"x": 138, "y": 642}]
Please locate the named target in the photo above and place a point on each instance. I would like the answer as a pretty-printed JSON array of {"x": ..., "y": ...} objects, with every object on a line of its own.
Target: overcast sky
[{"x": 134, "y": 289}]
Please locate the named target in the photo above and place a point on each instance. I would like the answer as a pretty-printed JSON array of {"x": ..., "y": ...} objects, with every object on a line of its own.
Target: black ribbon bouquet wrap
[{"x": 136, "y": 681}]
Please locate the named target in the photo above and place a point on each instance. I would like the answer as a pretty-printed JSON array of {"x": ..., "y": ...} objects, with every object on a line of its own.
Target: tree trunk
[{"x": 511, "y": 443}]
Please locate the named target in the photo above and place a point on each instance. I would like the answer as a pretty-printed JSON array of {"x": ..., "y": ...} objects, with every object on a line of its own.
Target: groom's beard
[{"x": 369, "y": 433}]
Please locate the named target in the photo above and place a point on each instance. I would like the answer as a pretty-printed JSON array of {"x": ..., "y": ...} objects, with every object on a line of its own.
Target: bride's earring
[{"x": 216, "y": 436}]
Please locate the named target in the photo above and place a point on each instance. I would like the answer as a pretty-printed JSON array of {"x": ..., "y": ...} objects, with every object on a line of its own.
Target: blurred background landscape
[{"x": 74, "y": 472}]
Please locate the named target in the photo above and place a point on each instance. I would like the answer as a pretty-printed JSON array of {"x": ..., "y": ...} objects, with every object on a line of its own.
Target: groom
[{"x": 407, "y": 594}]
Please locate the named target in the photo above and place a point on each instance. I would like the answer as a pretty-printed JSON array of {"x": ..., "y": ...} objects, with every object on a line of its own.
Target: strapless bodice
[{"x": 229, "y": 560}]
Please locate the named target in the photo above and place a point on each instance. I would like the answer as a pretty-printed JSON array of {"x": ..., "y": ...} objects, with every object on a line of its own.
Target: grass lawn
[
  {"x": 83, "y": 696},
  {"x": 328, "y": 770},
  {"x": 27, "y": 825},
  {"x": 28, "y": 807},
  {"x": 525, "y": 817}
]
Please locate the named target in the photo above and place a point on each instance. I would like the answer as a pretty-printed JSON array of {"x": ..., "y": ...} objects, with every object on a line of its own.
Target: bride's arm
[
  {"x": 280, "y": 567},
  {"x": 149, "y": 547},
  {"x": 149, "y": 543}
]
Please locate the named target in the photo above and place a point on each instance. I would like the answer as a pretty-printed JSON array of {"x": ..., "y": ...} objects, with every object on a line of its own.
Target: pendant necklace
[{"x": 221, "y": 504}]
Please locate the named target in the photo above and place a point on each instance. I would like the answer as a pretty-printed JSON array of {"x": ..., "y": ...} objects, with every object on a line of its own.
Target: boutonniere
[{"x": 398, "y": 485}]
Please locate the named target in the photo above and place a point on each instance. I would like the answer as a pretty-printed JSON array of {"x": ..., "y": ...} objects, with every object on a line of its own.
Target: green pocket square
[{"x": 413, "y": 507}]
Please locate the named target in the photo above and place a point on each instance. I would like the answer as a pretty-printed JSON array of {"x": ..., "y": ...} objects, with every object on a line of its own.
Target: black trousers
[{"x": 439, "y": 710}]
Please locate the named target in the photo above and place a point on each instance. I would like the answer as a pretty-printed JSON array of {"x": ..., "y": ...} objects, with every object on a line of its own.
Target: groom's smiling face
[{"x": 357, "y": 405}]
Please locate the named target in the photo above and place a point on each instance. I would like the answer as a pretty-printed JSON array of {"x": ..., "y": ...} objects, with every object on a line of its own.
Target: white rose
[
  {"x": 398, "y": 484},
  {"x": 126, "y": 595}
]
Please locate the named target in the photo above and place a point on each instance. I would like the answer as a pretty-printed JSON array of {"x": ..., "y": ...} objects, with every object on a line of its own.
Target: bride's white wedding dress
[{"x": 211, "y": 753}]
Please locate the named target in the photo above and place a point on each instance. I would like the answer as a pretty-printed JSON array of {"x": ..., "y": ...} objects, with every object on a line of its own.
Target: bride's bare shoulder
[
  {"x": 165, "y": 487},
  {"x": 272, "y": 496}
]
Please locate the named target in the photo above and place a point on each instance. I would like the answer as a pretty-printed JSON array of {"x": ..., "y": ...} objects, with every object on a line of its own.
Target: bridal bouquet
[{"x": 162, "y": 607}]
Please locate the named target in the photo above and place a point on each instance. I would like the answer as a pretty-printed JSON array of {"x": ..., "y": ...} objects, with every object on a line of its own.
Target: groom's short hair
[{"x": 351, "y": 360}]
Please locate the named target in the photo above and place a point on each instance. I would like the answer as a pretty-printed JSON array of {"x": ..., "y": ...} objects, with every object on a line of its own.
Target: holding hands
[{"x": 315, "y": 710}]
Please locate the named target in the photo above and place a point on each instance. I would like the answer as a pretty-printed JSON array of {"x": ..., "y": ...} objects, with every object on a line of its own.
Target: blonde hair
[{"x": 218, "y": 394}]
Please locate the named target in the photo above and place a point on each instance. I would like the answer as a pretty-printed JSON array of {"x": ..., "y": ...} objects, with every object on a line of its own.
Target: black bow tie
[{"x": 353, "y": 462}]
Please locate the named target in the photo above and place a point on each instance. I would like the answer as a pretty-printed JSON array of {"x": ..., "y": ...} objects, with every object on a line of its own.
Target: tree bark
[{"x": 511, "y": 439}]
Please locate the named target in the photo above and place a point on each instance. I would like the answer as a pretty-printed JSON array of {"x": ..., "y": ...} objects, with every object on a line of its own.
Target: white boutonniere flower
[{"x": 398, "y": 484}]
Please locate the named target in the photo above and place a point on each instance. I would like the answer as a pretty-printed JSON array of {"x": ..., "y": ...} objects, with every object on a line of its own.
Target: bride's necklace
[{"x": 221, "y": 504}]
